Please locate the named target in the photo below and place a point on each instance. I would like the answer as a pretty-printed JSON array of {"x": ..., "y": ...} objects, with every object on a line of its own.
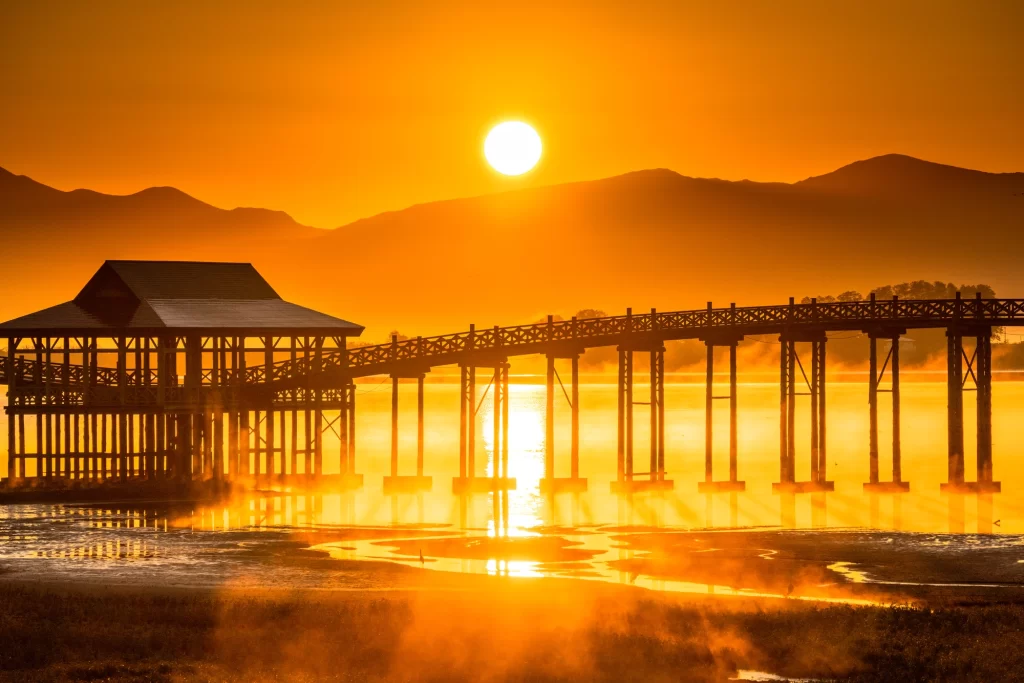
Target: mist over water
[{"x": 595, "y": 535}]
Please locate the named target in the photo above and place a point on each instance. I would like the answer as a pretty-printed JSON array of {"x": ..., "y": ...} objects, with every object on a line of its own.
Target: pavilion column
[
  {"x": 268, "y": 362},
  {"x": 15, "y": 464},
  {"x": 318, "y": 413}
]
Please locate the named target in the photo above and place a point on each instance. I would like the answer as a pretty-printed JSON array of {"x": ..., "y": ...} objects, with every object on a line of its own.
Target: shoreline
[{"x": 482, "y": 628}]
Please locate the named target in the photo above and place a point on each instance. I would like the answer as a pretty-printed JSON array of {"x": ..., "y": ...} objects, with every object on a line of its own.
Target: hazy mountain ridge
[
  {"x": 26, "y": 200},
  {"x": 649, "y": 237}
]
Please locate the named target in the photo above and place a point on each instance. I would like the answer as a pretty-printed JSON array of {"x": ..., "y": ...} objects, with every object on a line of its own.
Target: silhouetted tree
[
  {"x": 922, "y": 289},
  {"x": 590, "y": 313},
  {"x": 849, "y": 295}
]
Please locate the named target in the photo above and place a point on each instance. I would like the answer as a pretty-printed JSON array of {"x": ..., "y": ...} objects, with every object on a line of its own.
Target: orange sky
[{"x": 332, "y": 111}]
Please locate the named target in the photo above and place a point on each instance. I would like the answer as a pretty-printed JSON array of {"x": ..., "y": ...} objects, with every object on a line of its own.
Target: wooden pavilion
[{"x": 147, "y": 370}]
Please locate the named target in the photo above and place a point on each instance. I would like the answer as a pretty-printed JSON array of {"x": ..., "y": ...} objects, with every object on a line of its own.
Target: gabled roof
[
  {"x": 180, "y": 280},
  {"x": 136, "y": 296}
]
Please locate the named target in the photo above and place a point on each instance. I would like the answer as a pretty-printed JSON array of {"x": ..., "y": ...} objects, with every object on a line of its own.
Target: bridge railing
[{"x": 905, "y": 313}]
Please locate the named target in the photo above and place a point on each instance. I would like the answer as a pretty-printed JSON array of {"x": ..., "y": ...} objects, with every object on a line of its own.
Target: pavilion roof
[{"x": 187, "y": 296}]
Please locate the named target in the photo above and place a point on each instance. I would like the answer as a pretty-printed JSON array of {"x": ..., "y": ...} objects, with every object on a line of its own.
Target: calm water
[{"x": 214, "y": 544}]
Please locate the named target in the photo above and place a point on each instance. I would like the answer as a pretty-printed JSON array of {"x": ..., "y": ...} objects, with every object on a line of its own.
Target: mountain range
[{"x": 642, "y": 239}]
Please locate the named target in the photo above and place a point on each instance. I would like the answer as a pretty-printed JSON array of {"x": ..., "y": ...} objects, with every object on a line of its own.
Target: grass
[{"x": 522, "y": 631}]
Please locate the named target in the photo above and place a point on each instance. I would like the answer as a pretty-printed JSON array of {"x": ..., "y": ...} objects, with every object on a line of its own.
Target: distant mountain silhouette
[
  {"x": 155, "y": 217},
  {"x": 644, "y": 238},
  {"x": 910, "y": 178}
]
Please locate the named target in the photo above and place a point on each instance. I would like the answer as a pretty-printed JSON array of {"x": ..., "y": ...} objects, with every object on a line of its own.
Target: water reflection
[{"x": 175, "y": 535}]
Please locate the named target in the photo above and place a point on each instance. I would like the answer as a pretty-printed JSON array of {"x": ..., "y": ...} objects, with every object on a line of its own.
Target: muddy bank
[{"x": 485, "y": 629}]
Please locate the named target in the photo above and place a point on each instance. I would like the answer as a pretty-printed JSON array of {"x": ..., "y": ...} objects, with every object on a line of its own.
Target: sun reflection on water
[{"x": 521, "y": 520}]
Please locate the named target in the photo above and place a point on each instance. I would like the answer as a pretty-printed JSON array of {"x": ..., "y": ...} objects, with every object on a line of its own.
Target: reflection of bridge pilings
[
  {"x": 956, "y": 513},
  {"x": 985, "y": 513},
  {"x": 709, "y": 519},
  {"x": 787, "y": 509},
  {"x": 819, "y": 510},
  {"x": 957, "y": 504}
]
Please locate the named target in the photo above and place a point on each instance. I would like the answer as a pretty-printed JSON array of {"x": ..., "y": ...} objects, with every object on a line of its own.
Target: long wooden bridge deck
[
  {"x": 314, "y": 380},
  {"x": 577, "y": 335}
]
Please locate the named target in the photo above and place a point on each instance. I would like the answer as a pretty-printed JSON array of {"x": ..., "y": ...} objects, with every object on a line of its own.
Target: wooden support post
[
  {"x": 463, "y": 420},
  {"x": 346, "y": 395},
  {"x": 48, "y": 443},
  {"x": 954, "y": 405},
  {"x": 621, "y": 423},
  {"x": 499, "y": 398},
  {"x": 419, "y": 426},
  {"x": 661, "y": 414},
  {"x": 653, "y": 404},
  {"x": 791, "y": 412},
  {"x": 23, "y": 468},
  {"x": 471, "y": 430},
  {"x": 394, "y": 425},
  {"x": 629, "y": 414},
  {"x": 257, "y": 466},
  {"x": 295, "y": 416},
  {"x": 733, "y": 446},
  {"x": 351, "y": 456},
  {"x": 504, "y": 421},
  {"x": 207, "y": 432},
  {"x": 872, "y": 409},
  {"x": 815, "y": 382},
  {"x": 70, "y": 465},
  {"x": 708, "y": 411},
  {"x": 244, "y": 430},
  {"x": 318, "y": 411},
  {"x": 897, "y": 464},
  {"x": 574, "y": 444},
  {"x": 549, "y": 421},
  {"x": 12, "y": 469},
  {"x": 783, "y": 410},
  {"x": 983, "y": 373},
  {"x": 268, "y": 361},
  {"x": 234, "y": 470},
  {"x": 822, "y": 455}
]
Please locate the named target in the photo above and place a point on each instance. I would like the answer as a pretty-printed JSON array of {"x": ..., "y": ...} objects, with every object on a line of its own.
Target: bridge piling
[
  {"x": 419, "y": 425},
  {"x": 789, "y": 363},
  {"x": 979, "y": 368},
  {"x": 656, "y": 476},
  {"x": 396, "y": 483},
  {"x": 709, "y": 485},
  {"x": 552, "y": 483},
  {"x": 498, "y": 481},
  {"x": 549, "y": 420},
  {"x": 954, "y": 407},
  {"x": 876, "y": 374}
]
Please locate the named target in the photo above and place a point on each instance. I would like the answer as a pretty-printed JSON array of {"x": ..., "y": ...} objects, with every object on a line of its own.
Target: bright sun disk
[{"x": 512, "y": 148}]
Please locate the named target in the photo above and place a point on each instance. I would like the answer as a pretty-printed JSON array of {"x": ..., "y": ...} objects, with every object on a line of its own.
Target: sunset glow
[
  {"x": 512, "y": 148},
  {"x": 456, "y": 341}
]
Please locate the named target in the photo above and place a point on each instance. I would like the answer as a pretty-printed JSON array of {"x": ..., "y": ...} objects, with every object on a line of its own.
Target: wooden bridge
[{"x": 136, "y": 378}]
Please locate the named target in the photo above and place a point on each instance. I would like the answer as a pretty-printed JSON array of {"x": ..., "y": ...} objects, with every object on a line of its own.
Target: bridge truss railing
[{"x": 520, "y": 339}]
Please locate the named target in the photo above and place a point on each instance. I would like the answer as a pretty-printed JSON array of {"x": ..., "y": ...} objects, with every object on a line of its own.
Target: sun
[{"x": 512, "y": 148}]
